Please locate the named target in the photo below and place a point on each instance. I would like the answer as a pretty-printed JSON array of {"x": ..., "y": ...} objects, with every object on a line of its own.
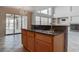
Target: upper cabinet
[
  {"x": 75, "y": 8},
  {"x": 66, "y": 11},
  {"x": 62, "y": 11},
  {"x": 62, "y": 15},
  {"x": 75, "y": 11}
]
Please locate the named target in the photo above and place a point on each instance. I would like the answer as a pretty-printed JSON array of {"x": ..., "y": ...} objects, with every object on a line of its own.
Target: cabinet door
[
  {"x": 30, "y": 42},
  {"x": 58, "y": 43},
  {"x": 24, "y": 39},
  {"x": 41, "y": 46}
]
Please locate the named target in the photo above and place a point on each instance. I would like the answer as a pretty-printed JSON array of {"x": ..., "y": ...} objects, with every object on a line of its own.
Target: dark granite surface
[{"x": 47, "y": 32}]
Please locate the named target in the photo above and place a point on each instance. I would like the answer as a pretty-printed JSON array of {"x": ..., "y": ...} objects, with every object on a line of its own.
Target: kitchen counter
[{"x": 47, "y": 32}]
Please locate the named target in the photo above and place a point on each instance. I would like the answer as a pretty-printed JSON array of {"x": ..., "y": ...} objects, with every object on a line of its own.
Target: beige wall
[
  {"x": 29, "y": 20},
  {"x": 2, "y": 24},
  {"x": 13, "y": 11}
]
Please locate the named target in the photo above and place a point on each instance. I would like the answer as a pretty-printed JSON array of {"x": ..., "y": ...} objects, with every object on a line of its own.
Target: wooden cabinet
[
  {"x": 43, "y": 43},
  {"x": 59, "y": 43},
  {"x": 28, "y": 40},
  {"x": 41, "y": 46},
  {"x": 47, "y": 43},
  {"x": 30, "y": 37},
  {"x": 39, "y": 42},
  {"x": 43, "y": 37},
  {"x": 24, "y": 39}
]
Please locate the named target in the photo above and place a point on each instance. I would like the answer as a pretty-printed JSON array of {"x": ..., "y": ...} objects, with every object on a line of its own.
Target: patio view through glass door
[{"x": 14, "y": 23}]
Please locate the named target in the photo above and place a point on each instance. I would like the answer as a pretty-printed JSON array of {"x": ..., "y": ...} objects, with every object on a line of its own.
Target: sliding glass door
[
  {"x": 9, "y": 24},
  {"x": 17, "y": 24},
  {"x": 14, "y": 23}
]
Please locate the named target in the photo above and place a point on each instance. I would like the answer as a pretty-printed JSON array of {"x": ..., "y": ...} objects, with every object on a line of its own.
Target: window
[
  {"x": 37, "y": 20},
  {"x": 38, "y": 11},
  {"x": 44, "y": 17},
  {"x": 44, "y": 21},
  {"x": 24, "y": 22},
  {"x": 49, "y": 11},
  {"x": 50, "y": 21},
  {"x": 44, "y": 11}
]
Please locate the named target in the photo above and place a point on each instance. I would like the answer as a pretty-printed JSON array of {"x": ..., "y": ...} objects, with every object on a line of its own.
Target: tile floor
[
  {"x": 73, "y": 41},
  {"x": 11, "y": 43}
]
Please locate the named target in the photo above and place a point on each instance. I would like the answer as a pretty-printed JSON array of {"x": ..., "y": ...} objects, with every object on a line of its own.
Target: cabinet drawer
[{"x": 43, "y": 37}]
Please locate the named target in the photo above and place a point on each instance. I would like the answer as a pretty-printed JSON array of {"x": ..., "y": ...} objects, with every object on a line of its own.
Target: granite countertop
[{"x": 48, "y": 32}]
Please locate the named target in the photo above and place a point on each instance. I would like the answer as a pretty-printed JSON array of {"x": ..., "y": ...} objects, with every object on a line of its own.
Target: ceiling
[{"x": 30, "y": 8}]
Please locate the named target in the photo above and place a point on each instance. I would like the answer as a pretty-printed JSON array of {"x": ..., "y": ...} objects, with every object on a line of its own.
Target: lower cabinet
[
  {"x": 30, "y": 38},
  {"x": 59, "y": 43},
  {"x": 30, "y": 44},
  {"x": 24, "y": 39},
  {"x": 41, "y": 46},
  {"x": 38, "y": 42},
  {"x": 43, "y": 43}
]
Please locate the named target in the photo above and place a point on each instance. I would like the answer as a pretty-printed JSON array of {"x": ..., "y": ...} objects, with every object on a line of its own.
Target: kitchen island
[{"x": 43, "y": 41}]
